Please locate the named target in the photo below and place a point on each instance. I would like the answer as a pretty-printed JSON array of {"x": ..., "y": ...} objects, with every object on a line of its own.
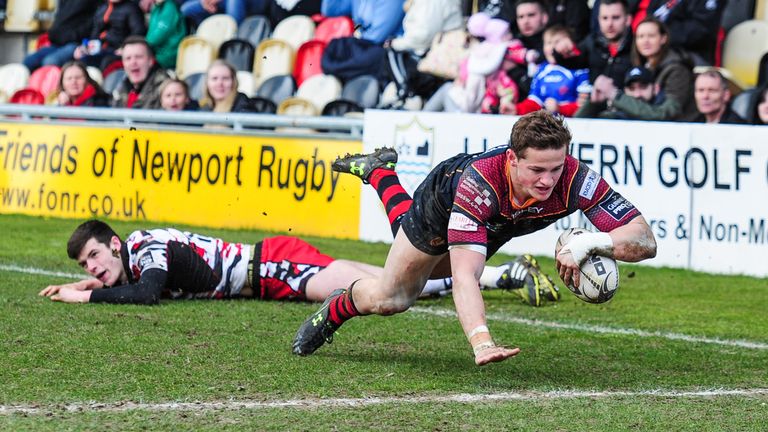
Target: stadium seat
[
  {"x": 216, "y": 29},
  {"x": 113, "y": 80},
  {"x": 340, "y": 108},
  {"x": 308, "y": 59},
  {"x": 20, "y": 16},
  {"x": 27, "y": 96},
  {"x": 45, "y": 79},
  {"x": 245, "y": 83},
  {"x": 273, "y": 57},
  {"x": 761, "y": 10},
  {"x": 13, "y": 77},
  {"x": 263, "y": 105},
  {"x": 741, "y": 103},
  {"x": 196, "y": 84},
  {"x": 744, "y": 46},
  {"x": 42, "y": 41},
  {"x": 195, "y": 55},
  {"x": 295, "y": 30},
  {"x": 254, "y": 29},
  {"x": 96, "y": 75},
  {"x": 334, "y": 27},
  {"x": 363, "y": 90},
  {"x": 239, "y": 53},
  {"x": 320, "y": 89},
  {"x": 297, "y": 107},
  {"x": 277, "y": 88}
]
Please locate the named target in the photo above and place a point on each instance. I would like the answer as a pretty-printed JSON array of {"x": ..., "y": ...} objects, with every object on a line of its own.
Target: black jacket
[
  {"x": 125, "y": 19},
  {"x": 73, "y": 21},
  {"x": 728, "y": 117},
  {"x": 242, "y": 104},
  {"x": 594, "y": 55},
  {"x": 692, "y": 24}
]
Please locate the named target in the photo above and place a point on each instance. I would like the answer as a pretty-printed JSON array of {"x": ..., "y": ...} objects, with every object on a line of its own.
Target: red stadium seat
[
  {"x": 45, "y": 79},
  {"x": 308, "y": 60},
  {"x": 43, "y": 41},
  {"x": 334, "y": 27},
  {"x": 28, "y": 96}
]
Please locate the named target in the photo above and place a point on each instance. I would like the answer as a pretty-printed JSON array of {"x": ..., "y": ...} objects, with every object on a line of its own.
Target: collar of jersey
[{"x": 515, "y": 206}]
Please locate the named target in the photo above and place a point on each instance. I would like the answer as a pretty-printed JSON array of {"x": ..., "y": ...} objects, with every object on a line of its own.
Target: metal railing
[{"x": 239, "y": 122}]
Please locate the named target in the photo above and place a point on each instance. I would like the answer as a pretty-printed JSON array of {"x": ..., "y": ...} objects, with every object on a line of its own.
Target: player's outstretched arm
[
  {"x": 467, "y": 265},
  {"x": 634, "y": 241},
  {"x": 83, "y": 285}
]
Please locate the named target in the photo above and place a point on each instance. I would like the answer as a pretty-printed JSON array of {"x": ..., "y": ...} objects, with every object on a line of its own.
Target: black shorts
[{"x": 426, "y": 222}]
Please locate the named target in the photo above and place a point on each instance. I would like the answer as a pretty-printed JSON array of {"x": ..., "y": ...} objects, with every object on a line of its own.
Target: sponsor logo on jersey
[
  {"x": 460, "y": 222},
  {"x": 146, "y": 260},
  {"x": 589, "y": 186},
  {"x": 484, "y": 198},
  {"x": 617, "y": 206},
  {"x": 527, "y": 210}
]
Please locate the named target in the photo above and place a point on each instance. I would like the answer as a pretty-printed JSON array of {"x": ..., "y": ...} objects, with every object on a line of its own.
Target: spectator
[
  {"x": 141, "y": 87},
  {"x": 114, "y": 21},
  {"x": 198, "y": 10},
  {"x": 77, "y": 88},
  {"x": 554, "y": 87},
  {"x": 72, "y": 24},
  {"x": 378, "y": 20},
  {"x": 607, "y": 53},
  {"x": 760, "y": 106},
  {"x": 221, "y": 93},
  {"x": 640, "y": 94},
  {"x": 424, "y": 19},
  {"x": 167, "y": 28},
  {"x": 572, "y": 14},
  {"x": 672, "y": 71},
  {"x": 693, "y": 24},
  {"x": 713, "y": 98},
  {"x": 174, "y": 96},
  {"x": 282, "y": 9},
  {"x": 531, "y": 18}
]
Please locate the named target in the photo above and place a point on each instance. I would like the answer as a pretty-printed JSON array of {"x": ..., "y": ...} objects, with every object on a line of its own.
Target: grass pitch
[{"x": 668, "y": 336}]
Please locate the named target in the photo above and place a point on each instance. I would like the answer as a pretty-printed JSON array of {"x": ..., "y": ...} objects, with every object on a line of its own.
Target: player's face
[
  {"x": 173, "y": 98},
  {"x": 536, "y": 173},
  {"x": 613, "y": 20},
  {"x": 762, "y": 108},
  {"x": 96, "y": 258},
  {"x": 649, "y": 39},
  {"x": 137, "y": 62},
  {"x": 219, "y": 82},
  {"x": 73, "y": 81},
  {"x": 710, "y": 95}
]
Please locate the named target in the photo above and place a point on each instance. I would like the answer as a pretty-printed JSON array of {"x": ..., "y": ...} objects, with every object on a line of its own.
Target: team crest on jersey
[{"x": 414, "y": 143}]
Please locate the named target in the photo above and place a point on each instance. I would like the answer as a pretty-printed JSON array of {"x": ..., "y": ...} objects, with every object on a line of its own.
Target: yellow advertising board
[{"x": 221, "y": 180}]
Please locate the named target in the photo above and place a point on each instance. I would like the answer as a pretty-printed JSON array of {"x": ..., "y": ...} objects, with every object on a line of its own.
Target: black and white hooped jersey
[{"x": 194, "y": 264}]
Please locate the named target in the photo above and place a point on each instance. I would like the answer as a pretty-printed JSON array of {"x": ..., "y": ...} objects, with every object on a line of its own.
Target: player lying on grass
[
  {"x": 464, "y": 211},
  {"x": 168, "y": 263}
]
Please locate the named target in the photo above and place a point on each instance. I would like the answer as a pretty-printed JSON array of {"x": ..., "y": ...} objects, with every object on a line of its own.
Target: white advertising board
[{"x": 696, "y": 185}]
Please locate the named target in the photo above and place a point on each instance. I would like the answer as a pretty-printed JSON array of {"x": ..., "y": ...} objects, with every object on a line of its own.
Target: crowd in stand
[{"x": 625, "y": 59}]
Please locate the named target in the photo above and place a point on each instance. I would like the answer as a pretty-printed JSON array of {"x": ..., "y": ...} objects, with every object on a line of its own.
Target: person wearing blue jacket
[{"x": 379, "y": 20}]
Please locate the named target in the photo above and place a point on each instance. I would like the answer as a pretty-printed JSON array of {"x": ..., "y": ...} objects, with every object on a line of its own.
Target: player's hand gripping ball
[{"x": 599, "y": 275}]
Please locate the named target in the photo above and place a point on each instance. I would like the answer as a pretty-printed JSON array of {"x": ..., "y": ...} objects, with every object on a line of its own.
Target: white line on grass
[
  {"x": 589, "y": 328},
  {"x": 37, "y": 271},
  {"x": 361, "y": 402}
]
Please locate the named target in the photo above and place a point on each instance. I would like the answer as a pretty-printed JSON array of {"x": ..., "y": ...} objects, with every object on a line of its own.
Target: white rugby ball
[{"x": 599, "y": 277}]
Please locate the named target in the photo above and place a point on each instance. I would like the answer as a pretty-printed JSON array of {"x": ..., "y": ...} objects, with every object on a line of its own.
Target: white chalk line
[
  {"x": 369, "y": 401},
  {"x": 588, "y": 328}
]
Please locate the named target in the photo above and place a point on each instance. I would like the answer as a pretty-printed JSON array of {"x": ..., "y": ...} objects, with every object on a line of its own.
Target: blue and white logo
[{"x": 414, "y": 143}]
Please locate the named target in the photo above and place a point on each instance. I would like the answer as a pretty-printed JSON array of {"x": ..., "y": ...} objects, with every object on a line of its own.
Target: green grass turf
[{"x": 240, "y": 350}]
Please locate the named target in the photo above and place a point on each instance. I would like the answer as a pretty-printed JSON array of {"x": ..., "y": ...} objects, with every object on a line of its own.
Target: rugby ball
[{"x": 599, "y": 277}]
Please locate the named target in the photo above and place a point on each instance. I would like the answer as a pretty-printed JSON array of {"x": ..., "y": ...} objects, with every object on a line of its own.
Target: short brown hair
[
  {"x": 138, "y": 40},
  {"x": 96, "y": 229},
  {"x": 540, "y": 130},
  {"x": 558, "y": 29}
]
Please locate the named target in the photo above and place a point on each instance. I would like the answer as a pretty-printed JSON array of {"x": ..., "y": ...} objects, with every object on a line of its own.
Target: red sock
[{"x": 392, "y": 194}]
